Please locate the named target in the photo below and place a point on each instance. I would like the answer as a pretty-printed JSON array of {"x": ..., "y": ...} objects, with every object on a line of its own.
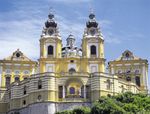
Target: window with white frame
[
  {"x": 17, "y": 72},
  {"x": 108, "y": 84},
  {"x": 50, "y": 68},
  {"x": 93, "y": 68}
]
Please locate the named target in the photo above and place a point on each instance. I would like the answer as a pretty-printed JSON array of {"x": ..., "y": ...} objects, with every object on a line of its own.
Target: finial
[
  {"x": 50, "y": 9},
  {"x": 51, "y": 13},
  {"x": 92, "y": 15}
]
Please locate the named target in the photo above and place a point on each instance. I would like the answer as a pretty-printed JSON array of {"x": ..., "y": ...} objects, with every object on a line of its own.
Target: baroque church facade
[{"x": 65, "y": 77}]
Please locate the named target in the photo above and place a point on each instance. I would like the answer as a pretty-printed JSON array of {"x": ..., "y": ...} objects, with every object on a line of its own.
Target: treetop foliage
[{"x": 126, "y": 103}]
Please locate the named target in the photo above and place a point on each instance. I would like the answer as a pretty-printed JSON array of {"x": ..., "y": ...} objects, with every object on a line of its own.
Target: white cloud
[{"x": 24, "y": 29}]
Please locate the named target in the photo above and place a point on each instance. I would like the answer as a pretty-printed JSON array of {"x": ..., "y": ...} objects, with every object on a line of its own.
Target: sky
[{"x": 125, "y": 24}]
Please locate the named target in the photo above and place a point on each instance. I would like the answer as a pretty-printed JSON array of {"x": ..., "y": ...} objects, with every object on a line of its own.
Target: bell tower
[
  {"x": 93, "y": 45},
  {"x": 50, "y": 44},
  {"x": 92, "y": 42}
]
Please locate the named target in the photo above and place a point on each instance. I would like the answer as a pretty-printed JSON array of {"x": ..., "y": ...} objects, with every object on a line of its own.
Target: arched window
[
  {"x": 93, "y": 50},
  {"x": 72, "y": 90},
  {"x": 72, "y": 70},
  {"x": 137, "y": 81},
  {"x": 82, "y": 91},
  {"x": 39, "y": 97},
  {"x": 39, "y": 84},
  {"x": 128, "y": 78},
  {"x": 16, "y": 79},
  {"x": 50, "y": 50},
  {"x": 24, "y": 102},
  {"x": 108, "y": 84},
  {"x": 7, "y": 82},
  {"x": 127, "y": 55},
  {"x": 25, "y": 90},
  {"x": 137, "y": 71}
]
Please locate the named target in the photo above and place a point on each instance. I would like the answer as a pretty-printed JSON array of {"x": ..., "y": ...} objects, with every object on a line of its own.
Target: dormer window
[
  {"x": 17, "y": 79},
  {"x": 17, "y": 54},
  {"x": 128, "y": 72},
  {"x": 127, "y": 55}
]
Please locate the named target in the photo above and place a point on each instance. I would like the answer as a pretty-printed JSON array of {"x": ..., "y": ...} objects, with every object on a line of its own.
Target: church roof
[{"x": 18, "y": 56}]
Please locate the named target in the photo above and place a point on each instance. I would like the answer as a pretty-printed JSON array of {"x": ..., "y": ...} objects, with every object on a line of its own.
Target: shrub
[
  {"x": 82, "y": 110},
  {"x": 65, "y": 112}
]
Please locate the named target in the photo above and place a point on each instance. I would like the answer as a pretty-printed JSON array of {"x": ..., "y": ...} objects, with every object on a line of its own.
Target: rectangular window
[
  {"x": 93, "y": 69},
  {"x": 7, "y": 82},
  {"x": 50, "y": 68},
  {"x": 60, "y": 91},
  {"x": 88, "y": 91}
]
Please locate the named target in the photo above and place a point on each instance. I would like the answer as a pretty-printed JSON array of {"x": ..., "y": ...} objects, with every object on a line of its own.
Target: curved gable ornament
[{"x": 127, "y": 55}]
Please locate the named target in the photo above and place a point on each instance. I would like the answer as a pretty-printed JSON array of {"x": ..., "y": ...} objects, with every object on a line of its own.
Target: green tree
[
  {"x": 82, "y": 110},
  {"x": 126, "y": 103},
  {"x": 107, "y": 106}
]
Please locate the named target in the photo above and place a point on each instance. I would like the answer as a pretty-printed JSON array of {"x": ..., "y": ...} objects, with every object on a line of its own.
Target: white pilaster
[
  {"x": 33, "y": 71},
  {"x": 63, "y": 91},
  {"x": 144, "y": 76}
]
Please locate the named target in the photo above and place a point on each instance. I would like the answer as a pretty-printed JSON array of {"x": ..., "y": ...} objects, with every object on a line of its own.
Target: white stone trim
[
  {"x": 16, "y": 72},
  {"x": 119, "y": 65},
  {"x": 72, "y": 65},
  {"x": 46, "y": 47},
  {"x": 48, "y": 66},
  {"x": 8, "y": 71},
  {"x": 127, "y": 64},
  {"x": 93, "y": 68},
  {"x": 88, "y": 51}
]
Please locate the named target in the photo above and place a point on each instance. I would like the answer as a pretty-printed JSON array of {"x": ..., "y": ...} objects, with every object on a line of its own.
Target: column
[
  {"x": 63, "y": 91},
  {"x": 84, "y": 91}
]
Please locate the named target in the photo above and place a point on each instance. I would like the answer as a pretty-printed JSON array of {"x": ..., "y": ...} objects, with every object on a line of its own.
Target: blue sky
[{"x": 125, "y": 24}]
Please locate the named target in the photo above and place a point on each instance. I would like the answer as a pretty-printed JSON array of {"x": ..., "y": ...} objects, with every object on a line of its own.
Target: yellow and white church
[{"x": 65, "y": 77}]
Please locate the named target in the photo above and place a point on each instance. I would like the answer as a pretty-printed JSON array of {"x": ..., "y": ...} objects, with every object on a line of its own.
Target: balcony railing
[
  {"x": 61, "y": 74},
  {"x": 74, "y": 74}
]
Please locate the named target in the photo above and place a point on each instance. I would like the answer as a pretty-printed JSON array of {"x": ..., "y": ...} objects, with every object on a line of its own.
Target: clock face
[
  {"x": 50, "y": 32},
  {"x": 92, "y": 32}
]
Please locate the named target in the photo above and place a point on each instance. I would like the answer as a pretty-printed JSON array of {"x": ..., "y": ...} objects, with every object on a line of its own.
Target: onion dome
[
  {"x": 92, "y": 22},
  {"x": 50, "y": 22}
]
